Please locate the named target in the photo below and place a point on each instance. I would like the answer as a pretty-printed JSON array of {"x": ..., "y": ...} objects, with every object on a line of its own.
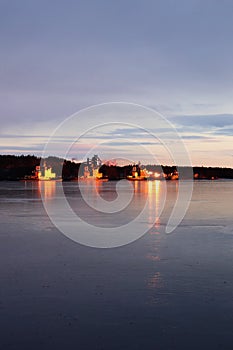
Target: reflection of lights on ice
[
  {"x": 154, "y": 190},
  {"x": 155, "y": 281},
  {"x": 48, "y": 188}
]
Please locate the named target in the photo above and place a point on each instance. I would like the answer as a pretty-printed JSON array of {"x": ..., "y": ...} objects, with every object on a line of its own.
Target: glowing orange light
[{"x": 156, "y": 175}]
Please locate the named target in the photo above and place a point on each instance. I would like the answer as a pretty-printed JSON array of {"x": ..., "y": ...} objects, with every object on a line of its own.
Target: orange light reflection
[
  {"x": 47, "y": 188},
  {"x": 154, "y": 189}
]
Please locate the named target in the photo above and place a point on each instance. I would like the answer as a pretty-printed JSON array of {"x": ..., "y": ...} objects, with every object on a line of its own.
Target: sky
[{"x": 58, "y": 57}]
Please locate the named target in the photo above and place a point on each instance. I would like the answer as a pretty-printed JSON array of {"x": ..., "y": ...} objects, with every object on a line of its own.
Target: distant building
[
  {"x": 86, "y": 172},
  {"x": 134, "y": 171},
  {"x": 44, "y": 173},
  {"x": 91, "y": 167}
]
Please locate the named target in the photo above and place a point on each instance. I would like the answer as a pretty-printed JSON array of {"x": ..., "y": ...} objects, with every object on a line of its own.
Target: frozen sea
[{"x": 163, "y": 291}]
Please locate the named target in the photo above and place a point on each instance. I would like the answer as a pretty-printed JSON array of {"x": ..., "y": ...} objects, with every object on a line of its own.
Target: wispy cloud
[{"x": 204, "y": 121}]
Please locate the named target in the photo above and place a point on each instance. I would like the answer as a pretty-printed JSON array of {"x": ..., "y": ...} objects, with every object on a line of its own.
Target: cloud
[
  {"x": 224, "y": 131},
  {"x": 204, "y": 121},
  {"x": 194, "y": 137},
  {"x": 128, "y": 143},
  {"x": 207, "y": 127},
  {"x": 25, "y": 149}
]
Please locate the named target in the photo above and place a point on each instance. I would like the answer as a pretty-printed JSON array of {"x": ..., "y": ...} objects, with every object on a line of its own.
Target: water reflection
[
  {"x": 155, "y": 284},
  {"x": 47, "y": 189},
  {"x": 95, "y": 191},
  {"x": 155, "y": 189},
  {"x": 153, "y": 257},
  {"x": 156, "y": 281}
]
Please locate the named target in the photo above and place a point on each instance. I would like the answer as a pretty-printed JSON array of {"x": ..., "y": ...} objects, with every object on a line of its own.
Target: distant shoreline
[{"x": 16, "y": 168}]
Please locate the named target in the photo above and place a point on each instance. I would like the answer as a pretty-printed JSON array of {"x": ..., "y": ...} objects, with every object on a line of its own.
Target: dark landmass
[
  {"x": 199, "y": 173},
  {"x": 13, "y": 168}
]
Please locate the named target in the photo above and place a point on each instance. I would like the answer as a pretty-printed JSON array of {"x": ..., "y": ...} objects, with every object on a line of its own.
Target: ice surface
[{"x": 161, "y": 292}]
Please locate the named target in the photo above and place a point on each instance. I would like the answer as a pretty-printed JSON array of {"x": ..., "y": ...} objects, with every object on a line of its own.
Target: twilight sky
[{"x": 174, "y": 56}]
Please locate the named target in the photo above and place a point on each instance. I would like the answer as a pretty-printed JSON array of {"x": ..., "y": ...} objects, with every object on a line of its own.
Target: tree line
[{"x": 14, "y": 167}]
